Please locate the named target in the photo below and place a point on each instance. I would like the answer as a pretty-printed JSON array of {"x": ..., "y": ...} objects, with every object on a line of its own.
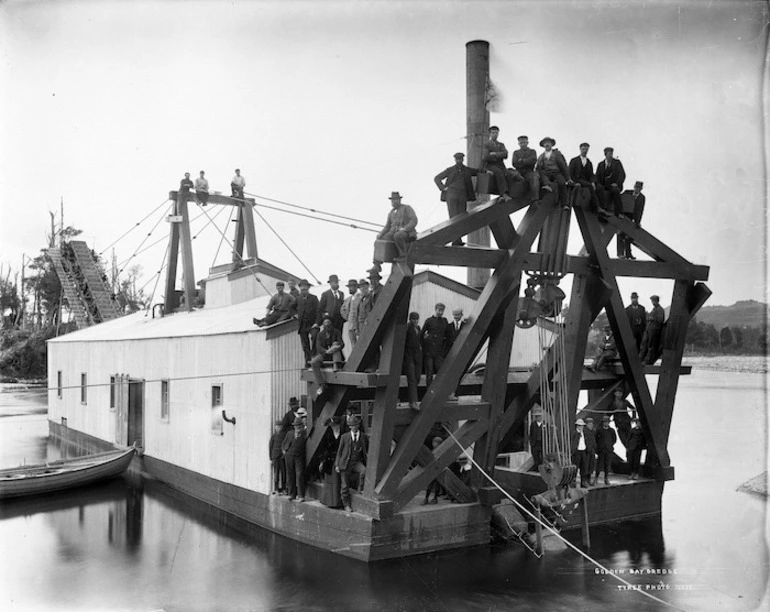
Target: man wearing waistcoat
[
  {"x": 456, "y": 188},
  {"x": 351, "y": 460},
  {"x": 330, "y": 304},
  {"x": 581, "y": 171},
  {"x": 494, "y": 155},
  {"x": 524, "y": 161},
  {"x": 637, "y": 317},
  {"x": 624, "y": 242},
  {"x": 609, "y": 182},
  {"x": 553, "y": 170},
  {"x": 307, "y": 313}
]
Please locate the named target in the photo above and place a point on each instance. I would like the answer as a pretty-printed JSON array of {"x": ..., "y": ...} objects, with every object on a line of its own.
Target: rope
[
  {"x": 277, "y": 235},
  {"x": 136, "y": 252},
  {"x": 313, "y": 210},
  {"x": 157, "y": 280},
  {"x": 222, "y": 239},
  {"x": 556, "y": 533},
  {"x": 133, "y": 228}
]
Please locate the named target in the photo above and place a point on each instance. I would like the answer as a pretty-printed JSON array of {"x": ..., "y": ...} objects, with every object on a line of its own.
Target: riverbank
[{"x": 728, "y": 363}]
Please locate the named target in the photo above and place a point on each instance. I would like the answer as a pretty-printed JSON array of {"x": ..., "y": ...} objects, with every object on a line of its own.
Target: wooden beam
[
  {"x": 419, "y": 477},
  {"x": 468, "y": 257},
  {"x": 658, "y": 269},
  {"x": 386, "y": 397},
  {"x": 452, "y": 411},
  {"x": 496, "y": 295},
  {"x": 599, "y": 400},
  {"x": 169, "y": 299},
  {"x": 504, "y": 232},
  {"x": 214, "y": 198},
  {"x": 621, "y": 327},
  {"x": 470, "y": 221},
  {"x": 349, "y": 379},
  {"x": 649, "y": 243},
  {"x": 334, "y": 406},
  {"x": 187, "y": 255},
  {"x": 697, "y": 297},
  {"x": 251, "y": 236},
  {"x": 240, "y": 235}
]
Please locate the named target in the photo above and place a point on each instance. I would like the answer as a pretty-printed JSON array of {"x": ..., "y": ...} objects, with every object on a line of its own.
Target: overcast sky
[{"x": 333, "y": 105}]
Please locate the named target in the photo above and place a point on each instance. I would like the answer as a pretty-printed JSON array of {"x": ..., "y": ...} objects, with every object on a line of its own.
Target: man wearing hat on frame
[
  {"x": 653, "y": 333},
  {"x": 581, "y": 171},
  {"x": 637, "y": 317},
  {"x": 553, "y": 170},
  {"x": 307, "y": 313},
  {"x": 400, "y": 226},
  {"x": 609, "y": 182},
  {"x": 348, "y": 311},
  {"x": 350, "y": 463},
  {"x": 524, "y": 161},
  {"x": 237, "y": 184},
  {"x": 279, "y": 308},
  {"x": 328, "y": 347},
  {"x": 494, "y": 154},
  {"x": 456, "y": 188},
  {"x": 330, "y": 304},
  {"x": 608, "y": 349},
  {"x": 624, "y": 241}
]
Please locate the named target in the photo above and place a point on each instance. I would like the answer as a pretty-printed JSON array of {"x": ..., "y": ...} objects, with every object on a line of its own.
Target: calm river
[{"x": 133, "y": 545}]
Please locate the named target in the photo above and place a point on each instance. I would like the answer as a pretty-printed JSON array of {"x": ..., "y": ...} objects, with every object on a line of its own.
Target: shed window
[
  {"x": 164, "y": 400},
  {"x": 59, "y": 384},
  {"x": 83, "y": 388},
  {"x": 216, "y": 410},
  {"x": 112, "y": 391}
]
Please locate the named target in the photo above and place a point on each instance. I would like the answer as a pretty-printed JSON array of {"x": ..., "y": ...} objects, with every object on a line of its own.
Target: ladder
[
  {"x": 101, "y": 296},
  {"x": 70, "y": 287}
]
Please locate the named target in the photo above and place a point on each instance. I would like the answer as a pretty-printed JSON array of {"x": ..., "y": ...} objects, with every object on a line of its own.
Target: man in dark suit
[
  {"x": 350, "y": 463},
  {"x": 653, "y": 334},
  {"x": 636, "y": 442},
  {"x": 608, "y": 349},
  {"x": 536, "y": 428},
  {"x": 581, "y": 171},
  {"x": 293, "y": 448},
  {"x": 455, "y": 325},
  {"x": 580, "y": 452},
  {"x": 330, "y": 304},
  {"x": 494, "y": 156},
  {"x": 605, "y": 445},
  {"x": 624, "y": 242},
  {"x": 553, "y": 170},
  {"x": 434, "y": 334},
  {"x": 609, "y": 182},
  {"x": 524, "y": 161},
  {"x": 328, "y": 347},
  {"x": 413, "y": 358},
  {"x": 637, "y": 317},
  {"x": 456, "y": 188},
  {"x": 307, "y": 313},
  {"x": 590, "y": 435}
]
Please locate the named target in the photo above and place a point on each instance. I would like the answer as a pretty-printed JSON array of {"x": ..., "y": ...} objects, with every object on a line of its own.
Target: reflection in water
[{"x": 131, "y": 544}]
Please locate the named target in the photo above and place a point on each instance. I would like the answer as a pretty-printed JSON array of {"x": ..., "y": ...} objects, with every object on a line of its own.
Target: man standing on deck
[
  {"x": 330, "y": 304},
  {"x": 307, "y": 312},
  {"x": 650, "y": 350},
  {"x": 494, "y": 156},
  {"x": 237, "y": 184},
  {"x": 434, "y": 335},
  {"x": 456, "y": 188},
  {"x": 202, "y": 188},
  {"x": 553, "y": 170},
  {"x": 580, "y": 453},
  {"x": 636, "y": 442},
  {"x": 524, "y": 162},
  {"x": 605, "y": 445},
  {"x": 278, "y": 308},
  {"x": 413, "y": 359},
  {"x": 349, "y": 311},
  {"x": 453, "y": 330},
  {"x": 637, "y": 317},
  {"x": 609, "y": 183},
  {"x": 536, "y": 437},
  {"x": 590, "y": 434},
  {"x": 294, "y": 446},
  {"x": 350, "y": 463}
]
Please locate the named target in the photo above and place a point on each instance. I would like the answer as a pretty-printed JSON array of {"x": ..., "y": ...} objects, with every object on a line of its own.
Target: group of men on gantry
[{"x": 201, "y": 186}]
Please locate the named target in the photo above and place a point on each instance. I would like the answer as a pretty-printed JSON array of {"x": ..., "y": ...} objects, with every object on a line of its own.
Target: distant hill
[{"x": 749, "y": 313}]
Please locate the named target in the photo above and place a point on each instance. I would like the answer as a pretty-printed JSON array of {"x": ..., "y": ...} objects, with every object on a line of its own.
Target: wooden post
[
  {"x": 476, "y": 80},
  {"x": 170, "y": 302},
  {"x": 586, "y": 532},
  {"x": 539, "y": 532}
]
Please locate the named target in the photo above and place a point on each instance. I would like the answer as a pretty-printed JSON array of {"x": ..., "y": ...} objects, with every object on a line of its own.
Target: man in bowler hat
[
  {"x": 553, "y": 170},
  {"x": 350, "y": 463},
  {"x": 330, "y": 304},
  {"x": 307, "y": 313},
  {"x": 637, "y": 317},
  {"x": 294, "y": 445},
  {"x": 400, "y": 226}
]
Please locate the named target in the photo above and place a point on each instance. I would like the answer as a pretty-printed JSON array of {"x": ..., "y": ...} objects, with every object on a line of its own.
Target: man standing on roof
[
  {"x": 553, "y": 170},
  {"x": 637, "y": 317},
  {"x": 202, "y": 188},
  {"x": 434, "y": 335},
  {"x": 237, "y": 183},
  {"x": 494, "y": 156},
  {"x": 609, "y": 183},
  {"x": 307, "y": 312},
  {"x": 653, "y": 335},
  {"x": 400, "y": 226},
  {"x": 278, "y": 308},
  {"x": 524, "y": 162},
  {"x": 456, "y": 188},
  {"x": 330, "y": 304}
]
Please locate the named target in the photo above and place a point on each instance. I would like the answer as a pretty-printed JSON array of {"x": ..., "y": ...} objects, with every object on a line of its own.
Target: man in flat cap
[
  {"x": 494, "y": 156},
  {"x": 553, "y": 170},
  {"x": 307, "y": 314},
  {"x": 608, "y": 349},
  {"x": 434, "y": 334},
  {"x": 581, "y": 171},
  {"x": 400, "y": 226},
  {"x": 609, "y": 183},
  {"x": 202, "y": 188},
  {"x": 330, "y": 304},
  {"x": 456, "y": 188},
  {"x": 350, "y": 463},
  {"x": 349, "y": 309},
  {"x": 637, "y": 317},
  {"x": 413, "y": 358},
  {"x": 524, "y": 162},
  {"x": 580, "y": 453},
  {"x": 653, "y": 334},
  {"x": 605, "y": 448},
  {"x": 279, "y": 308}
]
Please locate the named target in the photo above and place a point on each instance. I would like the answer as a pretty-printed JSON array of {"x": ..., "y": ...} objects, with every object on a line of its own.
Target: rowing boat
[{"x": 63, "y": 474}]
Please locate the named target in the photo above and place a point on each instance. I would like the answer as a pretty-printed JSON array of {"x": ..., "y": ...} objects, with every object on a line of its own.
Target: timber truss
[{"x": 399, "y": 463}]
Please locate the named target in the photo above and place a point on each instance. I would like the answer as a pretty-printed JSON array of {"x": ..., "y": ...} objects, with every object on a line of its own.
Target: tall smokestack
[{"x": 476, "y": 79}]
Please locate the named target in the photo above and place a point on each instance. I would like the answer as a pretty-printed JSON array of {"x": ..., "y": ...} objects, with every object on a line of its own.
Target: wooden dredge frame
[{"x": 394, "y": 478}]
